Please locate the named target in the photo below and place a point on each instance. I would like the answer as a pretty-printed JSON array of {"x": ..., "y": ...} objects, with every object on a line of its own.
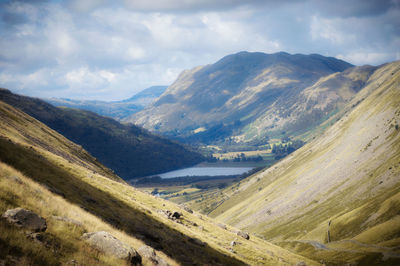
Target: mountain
[
  {"x": 245, "y": 93},
  {"x": 337, "y": 198},
  {"x": 147, "y": 96},
  {"x": 42, "y": 171},
  {"x": 129, "y": 150},
  {"x": 117, "y": 109}
]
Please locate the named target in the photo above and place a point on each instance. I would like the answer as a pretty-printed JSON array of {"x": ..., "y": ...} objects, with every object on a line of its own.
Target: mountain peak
[{"x": 238, "y": 87}]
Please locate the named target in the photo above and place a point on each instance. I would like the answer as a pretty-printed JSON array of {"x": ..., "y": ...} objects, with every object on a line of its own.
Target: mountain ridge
[
  {"x": 115, "y": 109},
  {"x": 234, "y": 91},
  {"x": 129, "y": 150},
  {"x": 345, "y": 182}
]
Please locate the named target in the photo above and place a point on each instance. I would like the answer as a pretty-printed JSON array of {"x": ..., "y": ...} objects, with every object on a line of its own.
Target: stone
[
  {"x": 107, "y": 243},
  {"x": 25, "y": 219},
  {"x": 73, "y": 263},
  {"x": 67, "y": 220},
  {"x": 177, "y": 215},
  {"x": 233, "y": 243},
  {"x": 221, "y": 226},
  {"x": 186, "y": 208},
  {"x": 148, "y": 252},
  {"x": 243, "y": 234}
]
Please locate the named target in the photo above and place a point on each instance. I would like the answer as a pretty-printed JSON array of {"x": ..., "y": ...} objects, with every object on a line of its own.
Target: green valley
[{"x": 44, "y": 172}]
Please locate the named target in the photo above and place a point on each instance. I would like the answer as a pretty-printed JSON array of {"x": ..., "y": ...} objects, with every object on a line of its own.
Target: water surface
[{"x": 206, "y": 171}]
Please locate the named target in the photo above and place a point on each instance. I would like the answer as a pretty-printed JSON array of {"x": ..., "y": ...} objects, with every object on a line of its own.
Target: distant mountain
[
  {"x": 127, "y": 149},
  {"x": 147, "y": 96},
  {"x": 245, "y": 94},
  {"x": 337, "y": 198},
  {"x": 115, "y": 109}
]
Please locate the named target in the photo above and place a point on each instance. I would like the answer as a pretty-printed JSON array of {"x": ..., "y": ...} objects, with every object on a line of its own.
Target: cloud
[
  {"x": 110, "y": 50},
  {"x": 354, "y": 8}
]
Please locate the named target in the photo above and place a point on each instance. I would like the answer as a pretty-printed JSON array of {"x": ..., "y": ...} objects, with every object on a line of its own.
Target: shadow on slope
[
  {"x": 133, "y": 221},
  {"x": 129, "y": 150}
]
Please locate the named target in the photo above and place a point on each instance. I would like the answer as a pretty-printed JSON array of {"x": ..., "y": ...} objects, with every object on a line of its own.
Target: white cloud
[{"x": 97, "y": 49}]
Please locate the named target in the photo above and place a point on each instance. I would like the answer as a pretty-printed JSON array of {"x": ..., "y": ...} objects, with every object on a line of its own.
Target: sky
[{"x": 110, "y": 50}]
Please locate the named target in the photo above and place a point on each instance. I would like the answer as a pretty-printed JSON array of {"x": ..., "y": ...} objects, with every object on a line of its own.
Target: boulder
[
  {"x": 148, "y": 252},
  {"x": 221, "y": 225},
  {"x": 243, "y": 234},
  {"x": 107, "y": 243},
  {"x": 25, "y": 219},
  {"x": 177, "y": 215}
]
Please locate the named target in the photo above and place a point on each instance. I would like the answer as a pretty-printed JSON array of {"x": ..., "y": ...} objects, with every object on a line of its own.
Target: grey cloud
[
  {"x": 110, "y": 49},
  {"x": 354, "y": 8}
]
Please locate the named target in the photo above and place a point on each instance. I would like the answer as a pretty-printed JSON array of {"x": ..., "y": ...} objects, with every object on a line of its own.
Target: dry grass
[
  {"x": 349, "y": 176},
  {"x": 64, "y": 238},
  {"x": 98, "y": 199}
]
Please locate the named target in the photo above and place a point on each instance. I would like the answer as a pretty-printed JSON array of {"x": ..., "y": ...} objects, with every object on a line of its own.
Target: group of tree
[
  {"x": 242, "y": 158},
  {"x": 283, "y": 149}
]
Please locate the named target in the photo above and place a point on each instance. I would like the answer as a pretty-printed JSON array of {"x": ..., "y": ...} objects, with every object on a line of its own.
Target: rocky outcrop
[
  {"x": 25, "y": 219},
  {"x": 243, "y": 234},
  {"x": 107, "y": 243},
  {"x": 149, "y": 253}
]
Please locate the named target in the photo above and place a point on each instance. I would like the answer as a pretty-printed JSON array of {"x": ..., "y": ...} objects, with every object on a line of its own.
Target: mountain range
[
  {"x": 127, "y": 149},
  {"x": 334, "y": 201},
  {"x": 117, "y": 109},
  {"x": 249, "y": 96}
]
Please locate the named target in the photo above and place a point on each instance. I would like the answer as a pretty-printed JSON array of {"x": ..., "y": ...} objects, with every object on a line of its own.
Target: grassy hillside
[
  {"x": 44, "y": 172},
  {"x": 346, "y": 182},
  {"x": 128, "y": 150}
]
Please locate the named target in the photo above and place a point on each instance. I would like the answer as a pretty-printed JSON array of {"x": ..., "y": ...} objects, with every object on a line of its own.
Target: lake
[{"x": 206, "y": 171}]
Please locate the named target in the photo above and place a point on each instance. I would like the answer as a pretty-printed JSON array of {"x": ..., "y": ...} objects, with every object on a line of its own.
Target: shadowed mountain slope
[
  {"x": 42, "y": 171},
  {"x": 128, "y": 150},
  {"x": 234, "y": 92},
  {"x": 346, "y": 182}
]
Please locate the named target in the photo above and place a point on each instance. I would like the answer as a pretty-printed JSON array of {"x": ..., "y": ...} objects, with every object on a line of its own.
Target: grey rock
[
  {"x": 186, "y": 208},
  {"x": 243, "y": 234},
  {"x": 233, "y": 243},
  {"x": 107, "y": 243},
  {"x": 25, "y": 219},
  {"x": 221, "y": 225},
  {"x": 177, "y": 215},
  {"x": 148, "y": 252},
  {"x": 73, "y": 263}
]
